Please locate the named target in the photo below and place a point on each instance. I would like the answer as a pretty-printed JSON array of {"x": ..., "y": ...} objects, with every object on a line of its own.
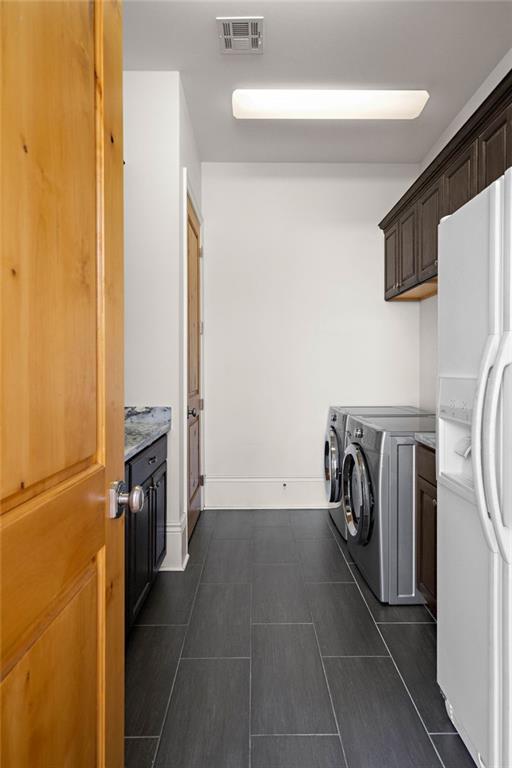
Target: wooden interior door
[
  {"x": 62, "y": 591},
  {"x": 194, "y": 367}
]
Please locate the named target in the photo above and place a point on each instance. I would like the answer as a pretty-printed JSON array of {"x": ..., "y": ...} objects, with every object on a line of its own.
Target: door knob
[
  {"x": 192, "y": 412},
  {"x": 120, "y": 497}
]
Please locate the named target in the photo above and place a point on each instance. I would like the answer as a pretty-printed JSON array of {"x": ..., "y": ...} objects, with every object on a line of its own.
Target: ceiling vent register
[{"x": 242, "y": 34}]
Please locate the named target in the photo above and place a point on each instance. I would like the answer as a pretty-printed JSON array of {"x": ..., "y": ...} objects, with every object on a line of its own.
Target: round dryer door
[
  {"x": 332, "y": 465},
  {"x": 356, "y": 494}
]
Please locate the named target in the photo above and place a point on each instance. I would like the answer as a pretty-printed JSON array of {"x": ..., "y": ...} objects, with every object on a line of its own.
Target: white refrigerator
[{"x": 474, "y": 504}]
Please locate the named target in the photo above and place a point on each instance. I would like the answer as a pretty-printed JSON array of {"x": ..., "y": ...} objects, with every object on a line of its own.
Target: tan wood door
[
  {"x": 194, "y": 367},
  {"x": 62, "y": 590}
]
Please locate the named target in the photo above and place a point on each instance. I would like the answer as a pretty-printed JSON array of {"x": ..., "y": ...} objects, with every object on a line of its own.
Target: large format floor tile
[
  {"x": 270, "y": 517},
  {"x": 171, "y": 597},
  {"x": 341, "y": 542},
  {"x": 228, "y": 561},
  {"x": 453, "y": 752},
  {"x": 151, "y": 659},
  {"x": 279, "y": 594},
  {"x": 220, "y": 622},
  {"x": 233, "y": 524},
  {"x": 378, "y": 723},
  {"x": 297, "y": 752},
  {"x": 311, "y": 524},
  {"x": 343, "y": 622},
  {"x": 413, "y": 647},
  {"x": 390, "y": 613},
  {"x": 199, "y": 543},
  {"x": 322, "y": 561},
  {"x": 207, "y": 725},
  {"x": 289, "y": 693},
  {"x": 274, "y": 544},
  {"x": 139, "y": 753}
]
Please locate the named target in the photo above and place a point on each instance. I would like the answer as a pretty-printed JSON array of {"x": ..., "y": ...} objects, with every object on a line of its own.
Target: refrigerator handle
[
  {"x": 488, "y": 357},
  {"x": 503, "y": 533}
]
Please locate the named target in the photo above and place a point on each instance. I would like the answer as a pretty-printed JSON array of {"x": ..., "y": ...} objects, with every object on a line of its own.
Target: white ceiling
[{"x": 445, "y": 47}]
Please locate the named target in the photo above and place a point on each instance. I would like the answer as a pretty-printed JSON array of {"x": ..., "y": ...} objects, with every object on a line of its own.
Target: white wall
[
  {"x": 428, "y": 353},
  {"x": 295, "y": 321},
  {"x": 158, "y": 142}
]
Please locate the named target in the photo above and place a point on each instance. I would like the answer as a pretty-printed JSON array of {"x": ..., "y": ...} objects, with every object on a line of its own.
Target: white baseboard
[
  {"x": 265, "y": 493},
  {"x": 176, "y": 558}
]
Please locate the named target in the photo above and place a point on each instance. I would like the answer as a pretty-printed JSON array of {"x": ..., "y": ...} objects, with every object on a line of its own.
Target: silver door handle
[{"x": 120, "y": 497}]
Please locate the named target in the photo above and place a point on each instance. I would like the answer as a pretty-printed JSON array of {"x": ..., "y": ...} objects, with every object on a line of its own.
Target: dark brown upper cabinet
[
  {"x": 429, "y": 216},
  {"x": 478, "y": 154},
  {"x": 408, "y": 250},
  {"x": 495, "y": 149},
  {"x": 391, "y": 261},
  {"x": 460, "y": 179}
]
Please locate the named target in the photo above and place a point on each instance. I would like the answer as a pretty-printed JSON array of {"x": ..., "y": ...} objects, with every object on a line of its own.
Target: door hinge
[
  {"x": 201, "y": 251},
  {"x": 201, "y": 479},
  {"x": 201, "y": 403},
  {"x": 201, "y": 328}
]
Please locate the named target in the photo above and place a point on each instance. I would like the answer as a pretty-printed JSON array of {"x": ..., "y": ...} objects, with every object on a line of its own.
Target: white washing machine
[
  {"x": 378, "y": 501},
  {"x": 334, "y": 448}
]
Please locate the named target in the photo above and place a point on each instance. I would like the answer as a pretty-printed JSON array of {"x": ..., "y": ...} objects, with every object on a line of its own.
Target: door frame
[{"x": 187, "y": 195}]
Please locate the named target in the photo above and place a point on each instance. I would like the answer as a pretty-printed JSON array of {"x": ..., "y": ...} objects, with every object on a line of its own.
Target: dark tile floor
[{"x": 271, "y": 652}]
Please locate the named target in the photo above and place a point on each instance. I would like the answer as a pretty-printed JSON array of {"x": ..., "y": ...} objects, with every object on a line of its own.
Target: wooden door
[
  {"x": 460, "y": 180},
  {"x": 429, "y": 216},
  {"x": 391, "y": 261},
  {"x": 408, "y": 249},
  {"x": 495, "y": 149},
  {"x": 194, "y": 367},
  {"x": 62, "y": 592}
]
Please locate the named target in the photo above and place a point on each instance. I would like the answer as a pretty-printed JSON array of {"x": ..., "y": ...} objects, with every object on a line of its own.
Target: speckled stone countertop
[
  {"x": 142, "y": 426},
  {"x": 427, "y": 438}
]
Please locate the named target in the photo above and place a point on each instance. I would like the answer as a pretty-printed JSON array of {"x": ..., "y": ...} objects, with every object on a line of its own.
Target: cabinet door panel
[
  {"x": 429, "y": 215},
  {"x": 159, "y": 517},
  {"x": 495, "y": 149},
  {"x": 408, "y": 249},
  {"x": 391, "y": 261},
  {"x": 460, "y": 179},
  {"x": 426, "y": 540},
  {"x": 140, "y": 524}
]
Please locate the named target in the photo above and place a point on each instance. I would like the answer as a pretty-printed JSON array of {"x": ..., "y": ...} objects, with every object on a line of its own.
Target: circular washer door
[
  {"x": 332, "y": 465},
  {"x": 356, "y": 494}
]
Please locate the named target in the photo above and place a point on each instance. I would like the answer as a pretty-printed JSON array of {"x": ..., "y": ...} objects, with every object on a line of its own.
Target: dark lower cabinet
[
  {"x": 426, "y": 525},
  {"x": 159, "y": 502},
  {"x": 145, "y": 531}
]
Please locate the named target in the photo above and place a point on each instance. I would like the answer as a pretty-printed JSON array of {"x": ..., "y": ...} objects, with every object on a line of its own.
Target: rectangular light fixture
[{"x": 311, "y": 104}]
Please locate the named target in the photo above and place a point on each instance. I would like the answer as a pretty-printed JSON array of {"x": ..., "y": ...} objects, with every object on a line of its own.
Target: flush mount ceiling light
[{"x": 310, "y": 104}]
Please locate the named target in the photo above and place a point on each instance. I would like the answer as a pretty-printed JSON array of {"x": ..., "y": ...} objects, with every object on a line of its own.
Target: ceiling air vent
[{"x": 242, "y": 34}]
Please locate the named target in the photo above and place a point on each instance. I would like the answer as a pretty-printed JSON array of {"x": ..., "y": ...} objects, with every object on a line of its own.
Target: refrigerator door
[{"x": 469, "y": 565}]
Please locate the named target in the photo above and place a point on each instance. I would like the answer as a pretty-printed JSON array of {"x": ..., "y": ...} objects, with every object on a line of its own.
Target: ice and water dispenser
[{"x": 455, "y": 423}]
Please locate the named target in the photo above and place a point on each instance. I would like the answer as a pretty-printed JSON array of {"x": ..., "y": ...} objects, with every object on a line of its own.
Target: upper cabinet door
[
  {"x": 429, "y": 215},
  {"x": 408, "y": 249},
  {"x": 495, "y": 149},
  {"x": 391, "y": 261},
  {"x": 460, "y": 179}
]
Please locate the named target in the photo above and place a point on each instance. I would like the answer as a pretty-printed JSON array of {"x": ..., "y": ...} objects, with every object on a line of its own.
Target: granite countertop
[
  {"x": 427, "y": 438},
  {"x": 142, "y": 426}
]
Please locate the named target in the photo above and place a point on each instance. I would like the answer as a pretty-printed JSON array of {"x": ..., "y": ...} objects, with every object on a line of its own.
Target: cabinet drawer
[
  {"x": 426, "y": 464},
  {"x": 145, "y": 463}
]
